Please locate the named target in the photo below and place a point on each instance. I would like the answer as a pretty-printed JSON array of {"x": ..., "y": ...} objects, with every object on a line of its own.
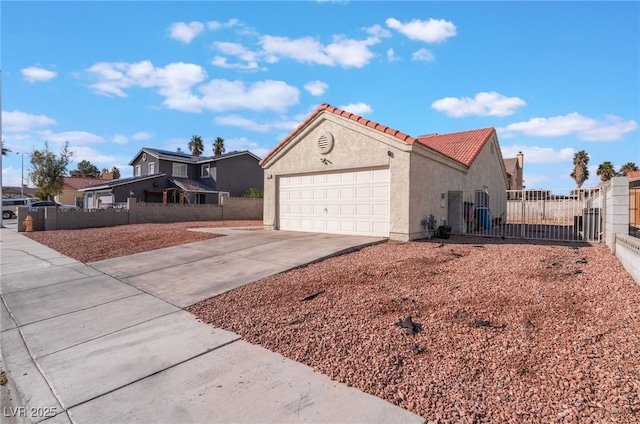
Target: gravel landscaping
[
  {"x": 500, "y": 330},
  {"x": 96, "y": 244}
]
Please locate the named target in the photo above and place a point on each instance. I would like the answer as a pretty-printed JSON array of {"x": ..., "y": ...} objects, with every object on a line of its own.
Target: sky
[{"x": 110, "y": 78}]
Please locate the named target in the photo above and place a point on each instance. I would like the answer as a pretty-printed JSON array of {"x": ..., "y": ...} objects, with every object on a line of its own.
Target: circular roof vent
[
  {"x": 325, "y": 142},
  {"x": 144, "y": 156}
]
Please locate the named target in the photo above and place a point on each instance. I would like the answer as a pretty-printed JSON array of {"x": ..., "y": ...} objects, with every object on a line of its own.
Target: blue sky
[{"x": 112, "y": 77}]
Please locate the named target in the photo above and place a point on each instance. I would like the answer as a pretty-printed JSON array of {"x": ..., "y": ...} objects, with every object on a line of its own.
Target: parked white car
[
  {"x": 49, "y": 203},
  {"x": 9, "y": 206}
]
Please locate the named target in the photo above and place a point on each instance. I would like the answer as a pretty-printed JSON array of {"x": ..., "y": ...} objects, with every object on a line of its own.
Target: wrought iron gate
[{"x": 567, "y": 215}]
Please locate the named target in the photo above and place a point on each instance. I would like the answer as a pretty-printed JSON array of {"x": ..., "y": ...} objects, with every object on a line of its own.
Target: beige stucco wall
[
  {"x": 418, "y": 174},
  {"x": 68, "y": 197},
  {"x": 431, "y": 175},
  {"x": 355, "y": 147}
]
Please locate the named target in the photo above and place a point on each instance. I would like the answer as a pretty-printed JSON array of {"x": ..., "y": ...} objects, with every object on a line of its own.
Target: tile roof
[
  {"x": 633, "y": 174},
  {"x": 359, "y": 119},
  {"x": 465, "y": 145},
  {"x": 192, "y": 185},
  {"x": 75, "y": 183}
]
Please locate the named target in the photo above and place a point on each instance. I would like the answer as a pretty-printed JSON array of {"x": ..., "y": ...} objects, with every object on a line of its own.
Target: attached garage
[
  {"x": 340, "y": 173},
  {"x": 347, "y": 202}
]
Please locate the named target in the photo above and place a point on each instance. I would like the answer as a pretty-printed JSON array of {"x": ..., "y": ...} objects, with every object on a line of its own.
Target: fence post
[{"x": 617, "y": 214}]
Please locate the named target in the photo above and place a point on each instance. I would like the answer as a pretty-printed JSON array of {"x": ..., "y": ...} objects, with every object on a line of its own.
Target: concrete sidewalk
[{"x": 109, "y": 342}]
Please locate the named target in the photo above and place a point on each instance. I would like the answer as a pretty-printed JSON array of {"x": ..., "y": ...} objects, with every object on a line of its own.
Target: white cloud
[
  {"x": 357, "y": 108},
  {"x": 120, "y": 139},
  {"x": 251, "y": 125},
  {"x": 36, "y": 74},
  {"x": 242, "y": 143},
  {"x": 423, "y": 54},
  {"x": 186, "y": 32},
  {"x": 588, "y": 129},
  {"x": 431, "y": 31},
  {"x": 378, "y": 31},
  {"x": 217, "y": 25},
  {"x": 534, "y": 154},
  {"x": 17, "y": 121},
  {"x": 391, "y": 56},
  {"x": 73, "y": 137},
  {"x": 484, "y": 104},
  {"x": 175, "y": 83},
  {"x": 142, "y": 135},
  {"x": 87, "y": 153},
  {"x": 316, "y": 88},
  {"x": 342, "y": 52},
  {"x": 221, "y": 95},
  {"x": 222, "y": 62}
]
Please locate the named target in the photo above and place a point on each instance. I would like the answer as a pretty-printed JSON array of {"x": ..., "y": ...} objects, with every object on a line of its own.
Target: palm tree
[
  {"x": 606, "y": 171},
  {"x": 218, "y": 146},
  {"x": 580, "y": 171},
  {"x": 5, "y": 151},
  {"x": 629, "y": 166},
  {"x": 196, "y": 145}
]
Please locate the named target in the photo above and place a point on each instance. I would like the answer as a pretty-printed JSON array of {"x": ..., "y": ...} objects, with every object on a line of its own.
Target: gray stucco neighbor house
[
  {"x": 340, "y": 173},
  {"x": 200, "y": 179}
]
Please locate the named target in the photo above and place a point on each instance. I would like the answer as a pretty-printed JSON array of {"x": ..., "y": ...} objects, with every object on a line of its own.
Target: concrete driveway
[
  {"x": 188, "y": 274},
  {"x": 109, "y": 342}
]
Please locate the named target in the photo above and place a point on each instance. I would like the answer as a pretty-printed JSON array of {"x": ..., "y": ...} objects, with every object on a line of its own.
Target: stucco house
[
  {"x": 71, "y": 194},
  {"x": 341, "y": 173},
  {"x": 514, "y": 168},
  {"x": 176, "y": 177}
]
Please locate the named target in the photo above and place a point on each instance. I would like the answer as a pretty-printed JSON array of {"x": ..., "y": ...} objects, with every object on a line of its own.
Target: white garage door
[{"x": 352, "y": 202}]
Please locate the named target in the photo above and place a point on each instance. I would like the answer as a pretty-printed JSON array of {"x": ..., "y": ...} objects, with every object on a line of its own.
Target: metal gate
[{"x": 567, "y": 215}]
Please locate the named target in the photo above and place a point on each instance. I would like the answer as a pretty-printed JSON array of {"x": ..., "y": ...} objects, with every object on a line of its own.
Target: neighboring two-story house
[{"x": 175, "y": 177}]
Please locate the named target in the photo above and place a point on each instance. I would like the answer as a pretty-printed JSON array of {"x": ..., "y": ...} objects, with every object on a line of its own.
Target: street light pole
[{"x": 22, "y": 177}]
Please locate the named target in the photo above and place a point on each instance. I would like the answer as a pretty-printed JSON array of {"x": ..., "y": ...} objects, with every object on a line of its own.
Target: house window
[
  {"x": 213, "y": 173},
  {"x": 138, "y": 171},
  {"x": 152, "y": 168},
  {"x": 179, "y": 169},
  {"x": 204, "y": 173}
]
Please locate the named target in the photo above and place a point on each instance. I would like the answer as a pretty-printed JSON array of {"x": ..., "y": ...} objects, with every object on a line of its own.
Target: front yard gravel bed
[
  {"x": 96, "y": 244},
  {"x": 507, "y": 331}
]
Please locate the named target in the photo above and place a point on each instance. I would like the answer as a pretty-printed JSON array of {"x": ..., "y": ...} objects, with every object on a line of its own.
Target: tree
[
  {"x": 196, "y": 145},
  {"x": 580, "y": 171},
  {"x": 5, "y": 151},
  {"x": 629, "y": 166},
  {"x": 86, "y": 170},
  {"x": 218, "y": 146},
  {"x": 255, "y": 193},
  {"x": 47, "y": 170},
  {"x": 606, "y": 171}
]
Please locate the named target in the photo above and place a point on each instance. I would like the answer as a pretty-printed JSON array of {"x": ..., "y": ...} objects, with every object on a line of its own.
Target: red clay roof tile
[
  {"x": 76, "y": 183},
  {"x": 633, "y": 174},
  {"x": 463, "y": 147}
]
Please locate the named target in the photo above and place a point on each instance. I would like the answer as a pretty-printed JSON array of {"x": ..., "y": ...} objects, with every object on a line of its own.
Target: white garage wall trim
[{"x": 347, "y": 202}]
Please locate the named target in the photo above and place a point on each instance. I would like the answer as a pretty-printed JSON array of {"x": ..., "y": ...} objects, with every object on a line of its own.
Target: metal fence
[
  {"x": 567, "y": 215},
  {"x": 634, "y": 212}
]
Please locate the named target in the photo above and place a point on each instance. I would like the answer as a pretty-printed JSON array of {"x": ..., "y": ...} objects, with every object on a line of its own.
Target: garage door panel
[{"x": 352, "y": 202}]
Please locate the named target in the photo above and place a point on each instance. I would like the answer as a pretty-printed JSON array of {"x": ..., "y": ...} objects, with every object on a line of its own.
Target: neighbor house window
[
  {"x": 204, "y": 173},
  {"x": 138, "y": 171},
  {"x": 152, "y": 167},
  {"x": 179, "y": 170}
]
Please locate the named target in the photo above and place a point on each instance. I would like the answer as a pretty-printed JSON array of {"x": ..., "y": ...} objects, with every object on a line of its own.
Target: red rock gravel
[
  {"x": 510, "y": 331},
  {"x": 96, "y": 244}
]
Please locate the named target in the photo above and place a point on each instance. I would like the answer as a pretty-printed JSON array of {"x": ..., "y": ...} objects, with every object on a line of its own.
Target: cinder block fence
[{"x": 233, "y": 208}]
